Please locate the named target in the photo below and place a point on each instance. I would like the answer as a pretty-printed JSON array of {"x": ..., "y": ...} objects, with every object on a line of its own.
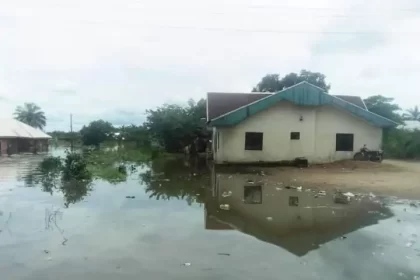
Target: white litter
[
  {"x": 279, "y": 189},
  {"x": 372, "y": 195},
  {"x": 225, "y": 206},
  {"x": 226, "y": 194},
  {"x": 269, "y": 219},
  {"x": 349, "y": 194},
  {"x": 409, "y": 244},
  {"x": 299, "y": 189},
  {"x": 322, "y": 193},
  {"x": 186, "y": 264}
]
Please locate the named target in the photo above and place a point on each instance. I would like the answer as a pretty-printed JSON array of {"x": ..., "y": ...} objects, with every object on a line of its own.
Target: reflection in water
[
  {"x": 295, "y": 219},
  {"x": 176, "y": 179},
  {"x": 71, "y": 177}
]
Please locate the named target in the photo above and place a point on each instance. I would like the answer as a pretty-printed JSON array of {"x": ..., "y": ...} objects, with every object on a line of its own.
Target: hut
[{"x": 17, "y": 137}]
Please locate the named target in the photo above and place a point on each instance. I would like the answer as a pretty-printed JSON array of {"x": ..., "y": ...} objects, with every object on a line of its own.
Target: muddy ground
[{"x": 391, "y": 177}]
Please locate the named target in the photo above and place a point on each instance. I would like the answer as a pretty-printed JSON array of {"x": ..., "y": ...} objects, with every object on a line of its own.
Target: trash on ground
[
  {"x": 279, "y": 189},
  {"x": 339, "y": 198},
  {"x": 186, "y": 264},
  {"x": 225, "y": 206},
  {"x": 349, "y": 194},
  {"x": 299, "y": 189},
  {"x": 224, "y": 254},
  {"x": 322, "y": 193},
  {"x": 226, "y": 194},
  {"x": 269, "y": 219}
]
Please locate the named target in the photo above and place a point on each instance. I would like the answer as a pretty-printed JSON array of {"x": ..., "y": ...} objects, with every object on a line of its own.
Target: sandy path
[{"x": 391, "y": 177}]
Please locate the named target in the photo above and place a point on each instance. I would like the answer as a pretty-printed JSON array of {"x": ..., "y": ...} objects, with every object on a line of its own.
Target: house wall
[{"x": 317, "y": 129}]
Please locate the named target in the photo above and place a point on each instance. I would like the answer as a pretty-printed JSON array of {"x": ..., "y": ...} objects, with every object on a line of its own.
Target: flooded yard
[{"x": 178, "y": 219}]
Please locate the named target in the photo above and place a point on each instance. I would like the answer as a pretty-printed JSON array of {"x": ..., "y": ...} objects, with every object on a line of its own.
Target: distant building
[
  {"x": 300, "y": 121},
  {"x": 17, "y": 137}
]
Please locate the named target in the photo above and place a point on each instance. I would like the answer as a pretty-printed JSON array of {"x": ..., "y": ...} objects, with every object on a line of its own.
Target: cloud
[{"x": 117, "y": 61}]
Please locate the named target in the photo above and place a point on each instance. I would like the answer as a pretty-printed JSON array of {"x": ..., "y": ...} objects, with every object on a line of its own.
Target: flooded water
[{"x": 175, "y": 219}]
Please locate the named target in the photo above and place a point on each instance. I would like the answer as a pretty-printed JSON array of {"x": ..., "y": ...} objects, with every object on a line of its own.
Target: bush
[{"x": 402, "y": 144}]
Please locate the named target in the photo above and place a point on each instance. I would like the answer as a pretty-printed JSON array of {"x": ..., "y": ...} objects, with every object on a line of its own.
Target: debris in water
[
  {"x": 343, "y": 237},
  {"x": 412, "y": 204},
  {"x": 194, "y": 174},
  {"x": 131, "y": 197},
  {"x": 288, "y": 187},
  {"x": 269, "y": 219},
  {"x": 46, "y": 252},
  {"x": 224, "y": 254},
  {"x": 409, "y": 244},
  {"x": 299, "y": 189},
  {"x": 279, "y": 189},
  {"x": 322, "y": 193},
  {"x": 230, "y": 177},
  {"x": 372, "y": 195},
  {"x": 307, "y": 190},
  {"x": 226, "y": 194},
  {"x": 186, "y": 264},
  {"x": 225, "y": 206},
  {"x": 294, "y": 180}
]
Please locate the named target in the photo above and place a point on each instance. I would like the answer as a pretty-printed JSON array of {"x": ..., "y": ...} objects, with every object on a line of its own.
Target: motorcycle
[{"x": 368, "y": 155}]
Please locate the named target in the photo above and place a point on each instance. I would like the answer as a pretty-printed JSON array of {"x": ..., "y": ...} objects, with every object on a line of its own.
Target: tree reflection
[
  {"x": 70, "y": 176},
  {"x": 176, "y": 179}
]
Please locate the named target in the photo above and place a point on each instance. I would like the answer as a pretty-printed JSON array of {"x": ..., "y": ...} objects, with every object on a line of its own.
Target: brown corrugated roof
[
  {"x": 356, "y": 100},
  {"x": 219, "y": 103}
]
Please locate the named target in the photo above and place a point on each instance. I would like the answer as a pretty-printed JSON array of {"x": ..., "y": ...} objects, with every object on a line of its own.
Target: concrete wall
[{"x": 318, "y": 130}]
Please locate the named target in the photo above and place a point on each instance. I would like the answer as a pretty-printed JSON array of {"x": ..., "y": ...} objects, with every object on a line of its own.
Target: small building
[
  {"x": 300, "y": 121},
  {"x": 17, "y": 137}
]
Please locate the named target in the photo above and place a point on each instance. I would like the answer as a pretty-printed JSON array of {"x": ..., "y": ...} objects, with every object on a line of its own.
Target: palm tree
[
  {"x": 413, "y": 114},
  {"x": 31, "y": 114}
]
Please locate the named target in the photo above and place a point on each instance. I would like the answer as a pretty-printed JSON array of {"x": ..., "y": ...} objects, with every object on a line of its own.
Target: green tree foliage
[
  {"x": 174, "y": 126},
  {"x": 31, "y": 114},
  {"x": 383, "y": 106},
  {"x": 136, "y": 134},
  {"x": 96, "y": 132},
  {"x": 403, "y": 144},
  {"x": 412, "y": 114},
  {"x": 273, "y": 82}
]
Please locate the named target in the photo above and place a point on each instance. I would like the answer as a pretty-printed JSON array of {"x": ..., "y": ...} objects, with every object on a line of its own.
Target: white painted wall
[{"x": 317, "y": 135}]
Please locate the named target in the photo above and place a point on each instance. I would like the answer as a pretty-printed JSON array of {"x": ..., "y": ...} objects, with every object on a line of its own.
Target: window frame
[
  {"x": 249, "y": 147},
  {"x": 339, "y": 144}
]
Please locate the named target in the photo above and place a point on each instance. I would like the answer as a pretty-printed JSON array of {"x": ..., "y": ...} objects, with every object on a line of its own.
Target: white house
[{"x": 300, "y": 121}]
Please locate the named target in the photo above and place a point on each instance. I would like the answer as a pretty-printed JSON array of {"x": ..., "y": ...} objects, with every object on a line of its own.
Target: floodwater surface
[{"x": 178, "y": 219}]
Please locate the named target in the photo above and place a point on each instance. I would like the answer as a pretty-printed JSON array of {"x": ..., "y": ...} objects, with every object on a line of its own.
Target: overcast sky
[{"x": 113, "y": 59}]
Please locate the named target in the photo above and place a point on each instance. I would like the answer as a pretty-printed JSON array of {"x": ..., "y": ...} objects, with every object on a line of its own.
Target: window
[
  {"x": 254, "y": 141},
  {"x": 344, "y": 142},
  {"x": 253, "y": 194},
  {"x": 294, "y": 135},
  {"x": 293, "y": 201}
]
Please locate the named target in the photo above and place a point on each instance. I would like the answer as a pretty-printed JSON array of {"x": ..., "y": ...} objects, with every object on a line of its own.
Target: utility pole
[{"x": 71, "y": 132}]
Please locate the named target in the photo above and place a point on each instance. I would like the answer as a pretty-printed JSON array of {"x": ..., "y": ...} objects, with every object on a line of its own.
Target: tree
[
  {"x": 412, "y": 114},
  {"x": 384, "y": 107},
  {"x": 272, "y": 82},
  {"x": 31, "y": 114},
  {"x": 96, "y": 132},
  {"x": 174, "y": 126}
]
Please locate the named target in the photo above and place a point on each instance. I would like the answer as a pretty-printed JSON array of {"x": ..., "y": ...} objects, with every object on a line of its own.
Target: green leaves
[
  {"x": 383, "y": 106},
  {"x": 273, "y": 82},
  {"x": 31, "y": 114},
  {"x": 96, "y": 132}
]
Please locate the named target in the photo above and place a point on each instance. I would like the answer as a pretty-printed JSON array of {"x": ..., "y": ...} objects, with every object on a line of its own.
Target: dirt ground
[{"x": 391, "y": 177}]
